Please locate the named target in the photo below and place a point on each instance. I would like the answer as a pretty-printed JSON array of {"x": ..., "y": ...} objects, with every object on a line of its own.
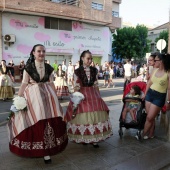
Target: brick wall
[{"x": 46, "y": 8}]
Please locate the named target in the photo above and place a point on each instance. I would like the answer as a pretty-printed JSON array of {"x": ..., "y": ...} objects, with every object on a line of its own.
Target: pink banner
[
  {"x": 98, "y": 52},
  {"x": 69, "y": 51}
]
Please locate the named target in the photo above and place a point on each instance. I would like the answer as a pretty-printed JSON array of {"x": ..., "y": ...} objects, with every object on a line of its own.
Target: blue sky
[{"x": 148, "y": 12}]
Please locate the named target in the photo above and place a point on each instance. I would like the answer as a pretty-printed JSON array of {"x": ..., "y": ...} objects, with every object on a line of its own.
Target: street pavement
[{"x": 113, "y": 154}]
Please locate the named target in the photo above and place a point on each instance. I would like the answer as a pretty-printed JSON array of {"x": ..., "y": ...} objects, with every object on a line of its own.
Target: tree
[
  {"x": 143, "y": 46},
  {"x": 131, "y": 42},
  {"x": 163, "y": 35}
]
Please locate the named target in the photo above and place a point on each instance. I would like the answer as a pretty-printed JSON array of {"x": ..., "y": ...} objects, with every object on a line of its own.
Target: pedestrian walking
[
  {"x": 40, "y": 130},
  {"x": 64, "y": 67},
  {"x": 106, "y": 75},
  {"x": 11, "y": 68},
  {"x": 60, "y": 83},
  {"x": 21, "y": 68},
  {"x": 6, "y": 79},
  {"x": 70, "y": 72},
  {"x": 128, "y": 73},
  {"x": 111, "y": 75},
  {"x": 91, "y": 122}
]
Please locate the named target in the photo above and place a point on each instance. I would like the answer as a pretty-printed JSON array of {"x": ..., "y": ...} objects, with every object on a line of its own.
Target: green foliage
[
  {"x": 131, "y": 42},
  {"x": 163, "y": 35}
]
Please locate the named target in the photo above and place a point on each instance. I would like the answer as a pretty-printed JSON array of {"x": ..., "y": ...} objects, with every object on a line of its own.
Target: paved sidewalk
[{"x": 114, "y": 154}]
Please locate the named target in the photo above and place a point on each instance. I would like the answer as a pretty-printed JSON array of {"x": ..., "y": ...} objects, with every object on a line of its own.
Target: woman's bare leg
[
  {"x": 152, "y": 130},
  {"x": 147, "y": 106},
  {"x": 152, "y": 113}
]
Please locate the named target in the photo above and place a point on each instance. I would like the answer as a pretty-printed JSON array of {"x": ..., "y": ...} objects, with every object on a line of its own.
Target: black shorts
[{"x": 156, "y": 98}]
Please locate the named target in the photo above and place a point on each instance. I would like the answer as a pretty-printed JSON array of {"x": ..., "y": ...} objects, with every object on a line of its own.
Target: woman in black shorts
[{"x": 156, "y": 91}]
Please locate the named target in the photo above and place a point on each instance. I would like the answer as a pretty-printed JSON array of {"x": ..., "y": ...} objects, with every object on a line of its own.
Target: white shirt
[
  {"x": 64, "y": 68},
  {"x": 141, "y": 71},
  {"x": 128, "y": 69},
  {"x": 70, "y": 70}
]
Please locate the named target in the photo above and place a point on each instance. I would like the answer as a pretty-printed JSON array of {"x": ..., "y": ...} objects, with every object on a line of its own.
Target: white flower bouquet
[
  {"x": 76, "y": 98},
  {"x": 19, "y": 103}
]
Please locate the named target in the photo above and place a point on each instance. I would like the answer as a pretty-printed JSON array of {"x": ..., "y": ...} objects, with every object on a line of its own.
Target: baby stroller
[{"x": 140, "y": 113}]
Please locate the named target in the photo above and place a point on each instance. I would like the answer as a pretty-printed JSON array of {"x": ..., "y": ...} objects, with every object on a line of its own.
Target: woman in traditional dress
[
  {"x": 40, "y": 131},
  {"x": 6, "y": 91},
  {"x": 91, "y": 123},
  {"x": 60, "y": 83}
]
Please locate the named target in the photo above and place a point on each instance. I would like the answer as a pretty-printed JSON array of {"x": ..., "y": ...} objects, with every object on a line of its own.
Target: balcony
[
  {"x": 67, "y": 2},
  {"x": 67, "y": 9},
  {"x": 118, "y": 1},
  {"x": 116, "y": 23}
]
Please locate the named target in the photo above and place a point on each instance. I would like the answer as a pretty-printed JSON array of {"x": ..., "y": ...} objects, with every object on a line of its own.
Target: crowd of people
[{"x": 43, "y": 130}]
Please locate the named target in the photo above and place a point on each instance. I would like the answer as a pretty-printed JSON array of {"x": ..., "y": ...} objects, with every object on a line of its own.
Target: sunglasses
[{"x": 156, "y": 60}]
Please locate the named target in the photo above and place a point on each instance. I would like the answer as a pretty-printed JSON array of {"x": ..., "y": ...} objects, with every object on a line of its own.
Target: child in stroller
[
  {"x": 131, "y": 104},
  {"x": 139, "y": 115}
]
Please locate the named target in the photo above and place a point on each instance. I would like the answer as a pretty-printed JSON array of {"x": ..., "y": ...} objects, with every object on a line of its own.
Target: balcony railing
[
  {"x": 115, "y": 14},
  {"x": 67, "y": 2}
]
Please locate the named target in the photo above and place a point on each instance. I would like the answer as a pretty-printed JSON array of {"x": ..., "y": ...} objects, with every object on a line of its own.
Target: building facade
[
  {"x": 154, "y": 33},
  {"x": 64, "y": 27}
]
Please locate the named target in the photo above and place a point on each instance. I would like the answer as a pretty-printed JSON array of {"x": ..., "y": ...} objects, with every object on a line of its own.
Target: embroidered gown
[
  {"x": 39, "y": 131},
  {"x": 61, "y": 84},
  {"x": 91, "y": 123},
  {"x": 5, "y": 84}
]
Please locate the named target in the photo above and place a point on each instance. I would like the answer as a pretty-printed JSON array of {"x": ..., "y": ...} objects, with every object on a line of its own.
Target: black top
[
  {"x": 6, "y": 72},
  {"x": 11, "y": 68},
  {"x": 32, "y": 71},
  {"x": 62, "y": 73},
  {"x": 21, "y": 68},
  {"x": 80, "y": 73}
]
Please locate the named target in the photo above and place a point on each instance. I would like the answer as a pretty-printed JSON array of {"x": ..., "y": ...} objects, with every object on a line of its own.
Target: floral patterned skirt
[{"x": 47, "y": 137}]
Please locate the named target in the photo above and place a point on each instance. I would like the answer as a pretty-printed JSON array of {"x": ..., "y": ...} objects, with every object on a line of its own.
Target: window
[
  {"x": 54, "y": 23},
  {"x": 68, "y": 2},
  {"x": 65, "y": 24},
  {"x": 115, "y": 14},
  {"x": 58, "y": 24},
  {"x": 97, "y": 6}
]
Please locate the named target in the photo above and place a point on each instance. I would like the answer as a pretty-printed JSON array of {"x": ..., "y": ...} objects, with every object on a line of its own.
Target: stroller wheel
[{"x": 120, "y": 133}]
